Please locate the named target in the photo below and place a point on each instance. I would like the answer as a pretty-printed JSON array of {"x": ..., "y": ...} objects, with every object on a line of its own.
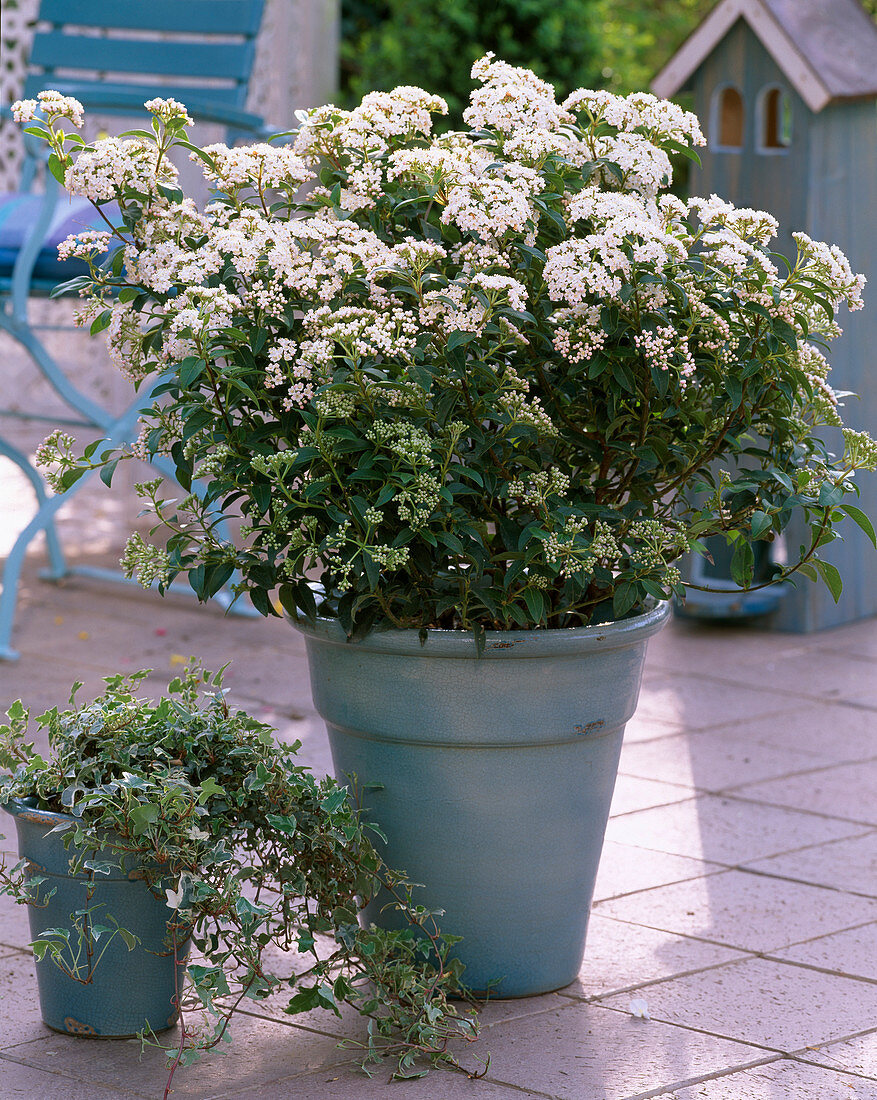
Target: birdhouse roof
[{"x": 827, "y": 49}]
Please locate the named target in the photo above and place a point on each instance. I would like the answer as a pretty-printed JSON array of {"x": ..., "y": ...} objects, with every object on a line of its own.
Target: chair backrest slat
[
  {"x": 113, "y": 98},
  {"x": 240, "y": 17},
  {"x": 55, "y": 50},
  {"x": 159, "y": 44}
]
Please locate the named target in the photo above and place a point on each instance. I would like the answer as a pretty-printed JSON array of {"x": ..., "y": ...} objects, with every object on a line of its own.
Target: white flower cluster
[
  {"x": 116, "y": 166},
  {"x": 169, "y": 110},
  {"x": 658, "y": 118},
  {"x": 85, "y": 245},
  {"x": 288, "y": 371},
  {"x": 490, "y": 207},
  {"x": 860, "y": 450},
  {"x": 562, "y": 549},
  {"x": 410, "y": 443},
  {"x": 417, "y": 500},
  {"x": 258, "y": 166},
  {"x": 371, "y": 128},
  {"x": 829, "y": 265},
  {"x": 198, "y": 313},
  {"x": 655, "y": 542},
  {"x": 511, "y": 99},
  {"x": 665, "y": 348},
  {"x": 51, "y": 104},
  {"x": 125, "y": 341},
  {"x": 578, "y": 334},
  {"x": 536, "y": 490},
  {"x": 813, "y": 365},
  {"x": 54, "y": 455},
  {"x": 150, "y": 564}
]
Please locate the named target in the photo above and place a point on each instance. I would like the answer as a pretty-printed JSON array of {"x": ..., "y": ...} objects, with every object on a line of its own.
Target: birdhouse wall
[
  {"x": 823, "y": 182},
  {"x": 774, "y": 179},
  {"x": 841, "y": 205}
]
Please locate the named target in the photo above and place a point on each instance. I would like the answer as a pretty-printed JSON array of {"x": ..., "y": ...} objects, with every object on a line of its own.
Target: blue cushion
[{"x": 18, "y": 212}]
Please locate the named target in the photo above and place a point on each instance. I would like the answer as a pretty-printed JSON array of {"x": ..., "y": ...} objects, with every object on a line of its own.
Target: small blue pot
[
  {"x": 490, "y": 776},
  {"x": 126, "y": 991}
]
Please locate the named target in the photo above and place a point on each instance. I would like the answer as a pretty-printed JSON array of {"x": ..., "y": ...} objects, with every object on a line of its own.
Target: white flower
[
  {"x": 168, "y": 109},
  {"x": 53, "y": 105},
  {"x": 511, "y": 98}
]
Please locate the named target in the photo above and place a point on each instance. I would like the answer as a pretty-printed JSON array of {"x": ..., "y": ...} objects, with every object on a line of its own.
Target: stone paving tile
[
  {"x": 780, "y": 1080},
  {"x": 698, "y": 704},
  {"x": 852, "y": 952},
  {"x": 17, "y": 1080},
  {"x": 625, "y": 869},
  {"x": 707, "y": 648},
  {"x": 832, "y": 732},
  {"x": 14, "y": 924},
  {"x": 821, "y": 674},
  {"x": 856, "y": 639},
  {"x": 746, "y": 911},
  {"x": 633, "y": 793},
  {"x": 261, "y": 1051},
  {"x": 346, "y": 1084},
  {"x": 621, "y": 956},
  {"x": 778, "y": 1006},
  {"x": 20, "y": 1020},
  {"x": 858, "y": 1055},
  {"x": 725, "y": 830},
  {"x": 585, "y": 1052},
  {"x": 713, "y": 760},
  {"x": 649, "y": 727},
  {"x": 848, "y": 791},
  {"x": 849, "y": 864}
]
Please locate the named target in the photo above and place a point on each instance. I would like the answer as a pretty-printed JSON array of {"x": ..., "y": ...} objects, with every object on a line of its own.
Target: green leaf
[
  {"x": 458, "y": 339},
  {"x": 130, "y": 939},
  {"x": 859, "y": 517},
  {"x": 759, "y": 523},
  {"x": 209, "y": 788},
  {"x": 535, "y": 602},
  {"x": 106, "y": 474},
  {"x": 625, "y": 597},
  {"x": 831, "y": 576},
  {"x": 142, "y": 817}
]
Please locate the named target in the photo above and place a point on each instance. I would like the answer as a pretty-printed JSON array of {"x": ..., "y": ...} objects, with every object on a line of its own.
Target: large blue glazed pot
[
  {"x": 490, "y": 776},
  {"x": 125, "y": 991}
]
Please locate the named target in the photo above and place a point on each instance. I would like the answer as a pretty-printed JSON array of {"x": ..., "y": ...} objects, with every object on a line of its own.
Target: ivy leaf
[{"x": 209, "y": 788}]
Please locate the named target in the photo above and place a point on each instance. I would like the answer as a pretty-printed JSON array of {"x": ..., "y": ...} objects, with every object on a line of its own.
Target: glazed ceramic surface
[
  {"x": 125, "y": 990},
  {"x": 491, "y": 776}
]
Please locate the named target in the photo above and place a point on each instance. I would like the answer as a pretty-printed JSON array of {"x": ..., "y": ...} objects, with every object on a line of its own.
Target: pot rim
[
  {"x": 499, "y": 644},
  {"x": 26, "y": 808}
]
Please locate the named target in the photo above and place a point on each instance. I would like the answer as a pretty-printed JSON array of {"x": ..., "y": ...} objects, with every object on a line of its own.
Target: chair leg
[
  {"x": 42, "y": 521},
  {"x": 57, "y": 564},
  {"x": 92, "y": 413}
]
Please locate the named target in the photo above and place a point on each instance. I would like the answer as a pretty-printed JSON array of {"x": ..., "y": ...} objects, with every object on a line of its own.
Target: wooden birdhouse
[{"x": 787, "y": 93}]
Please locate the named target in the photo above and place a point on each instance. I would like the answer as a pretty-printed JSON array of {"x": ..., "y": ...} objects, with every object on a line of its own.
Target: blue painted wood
[
  {"x": 491, "y": 776},
  {"x": 59, "y": 50},
  {"x": 190, "y": 17},
  {"x": 825, "y": 184}
]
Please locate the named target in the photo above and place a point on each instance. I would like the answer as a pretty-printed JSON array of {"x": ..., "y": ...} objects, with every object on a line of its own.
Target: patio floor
[{"x": 737, "y": 895}]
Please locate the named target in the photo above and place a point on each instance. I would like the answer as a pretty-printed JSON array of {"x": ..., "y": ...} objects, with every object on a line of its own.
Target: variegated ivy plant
[
  {"x": 494, "y": 379},
  {"x": 263, "y": 867}
]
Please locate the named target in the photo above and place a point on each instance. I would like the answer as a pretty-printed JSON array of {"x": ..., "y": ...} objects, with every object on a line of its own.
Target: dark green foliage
[{"x": 433, "y": 44}]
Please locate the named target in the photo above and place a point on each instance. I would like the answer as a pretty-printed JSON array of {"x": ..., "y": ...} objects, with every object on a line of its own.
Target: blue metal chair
[{"x": 113, "y": 73}]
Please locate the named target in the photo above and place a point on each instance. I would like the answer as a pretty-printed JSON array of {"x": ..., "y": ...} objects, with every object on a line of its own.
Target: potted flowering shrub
[
  {"x": 151, "y": 826},
  {"x": 473, "y": 396}
]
